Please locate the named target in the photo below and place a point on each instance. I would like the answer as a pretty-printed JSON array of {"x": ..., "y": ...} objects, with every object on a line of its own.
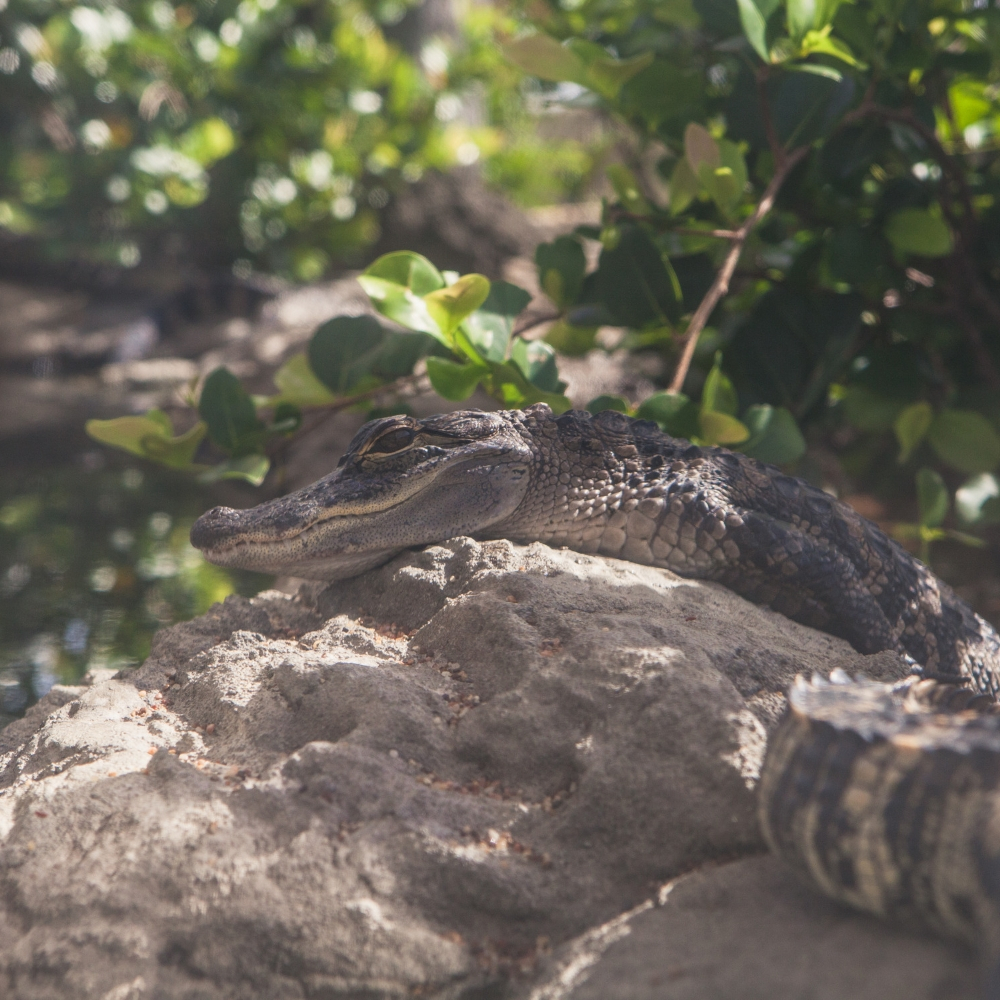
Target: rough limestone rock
[{"x": 441, "y": 779}]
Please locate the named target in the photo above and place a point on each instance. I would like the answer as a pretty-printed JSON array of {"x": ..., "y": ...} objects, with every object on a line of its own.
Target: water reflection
[{"x": 94, "y": 557}]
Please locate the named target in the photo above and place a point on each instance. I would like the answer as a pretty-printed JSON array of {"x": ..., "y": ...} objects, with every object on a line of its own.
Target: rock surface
[{"x": 442, "y": 779}]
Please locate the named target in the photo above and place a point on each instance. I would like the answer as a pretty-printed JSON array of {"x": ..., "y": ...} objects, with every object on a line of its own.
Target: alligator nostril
[{"x": 213, "y": 527}]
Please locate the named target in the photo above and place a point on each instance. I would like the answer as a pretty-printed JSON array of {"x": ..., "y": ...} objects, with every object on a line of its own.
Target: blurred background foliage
[
  {"x": 269, "y": 133},
  {"x": 799, "y": 231}
]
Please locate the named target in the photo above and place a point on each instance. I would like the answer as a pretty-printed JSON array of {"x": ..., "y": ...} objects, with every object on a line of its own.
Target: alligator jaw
[{"x": 402, "y": 483}]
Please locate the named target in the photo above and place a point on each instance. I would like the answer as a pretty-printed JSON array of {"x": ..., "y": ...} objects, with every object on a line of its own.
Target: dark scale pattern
[
  {"x": 620, "y": 487},
  {"x": 887, "y": 799}
]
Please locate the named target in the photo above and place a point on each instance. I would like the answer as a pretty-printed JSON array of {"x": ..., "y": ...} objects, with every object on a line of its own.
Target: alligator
[{"x": 860, "y": 779}]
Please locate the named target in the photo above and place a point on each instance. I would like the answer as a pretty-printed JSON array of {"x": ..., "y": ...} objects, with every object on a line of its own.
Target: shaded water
[{"x": 94, "y": 558}]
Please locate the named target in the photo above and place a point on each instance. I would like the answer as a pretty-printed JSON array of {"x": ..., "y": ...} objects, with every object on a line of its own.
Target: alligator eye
[{"x": 394, "y": 440}]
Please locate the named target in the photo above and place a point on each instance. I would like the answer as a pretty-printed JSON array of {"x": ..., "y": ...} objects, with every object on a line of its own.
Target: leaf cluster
[
  {"x": 269, "y": 134},
  {"x": 802, "y": 233}
]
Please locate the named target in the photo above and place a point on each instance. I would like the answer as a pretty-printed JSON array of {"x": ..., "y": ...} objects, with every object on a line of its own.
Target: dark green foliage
[{"x": 861, "y": 309}]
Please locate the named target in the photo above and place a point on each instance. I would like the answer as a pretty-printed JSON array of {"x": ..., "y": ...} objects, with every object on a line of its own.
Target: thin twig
[
  {"x": 532, "y": 323},
  {"x": 721, "y": 284},
  {"x": 715, "y": 234}
]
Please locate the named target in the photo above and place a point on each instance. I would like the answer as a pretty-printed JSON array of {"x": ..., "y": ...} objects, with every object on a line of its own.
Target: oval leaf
[
  {"x": 542, "y": 56},
  {"x": 449, "y": 306},
  {"x": 673, "y": 411},
  {"x": 932, "y": 498},
  {"x": 408, "y": 270},
  {"x": 719, "y": 395},
  {"x": 561, "y": 266},
  {"x": 126, "y": 433},
  {"x": 401, "y": 305},
  {"x": 721, "y": 428},
  {"x": 774, "y": 435},
  {"x": 228, "y": 410},
  {"x": 917, "y": 231},
  {"x": 965, "y": 440},
  {"x": 453, "y": 381},
  {"x": 911, "y": 426},
  {"x": 537, "y": 360},
  {"x": 601, "y": 403},
  {"x": 489, "y": 328},
  {"x": 297, "y": 383}
]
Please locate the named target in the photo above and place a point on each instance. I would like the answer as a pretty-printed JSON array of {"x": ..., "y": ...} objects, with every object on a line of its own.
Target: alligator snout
[{"x": 215, "y": 527}]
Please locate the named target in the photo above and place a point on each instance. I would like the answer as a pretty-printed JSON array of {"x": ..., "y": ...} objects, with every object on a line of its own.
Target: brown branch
[
  {"x": 715, "y": 234},
  {"x": 530, "y": 324},
  {"x": 721, "y": 284}
]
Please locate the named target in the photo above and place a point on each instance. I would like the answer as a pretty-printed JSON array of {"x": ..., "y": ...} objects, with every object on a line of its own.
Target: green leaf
[
  {"x": 627, "y": 188},
  {"x": 673, "y": 411},
  {"x": 601, "y": 403},
  {"x": 297, "y": 383},
  {"x": 868, "y": 410},
  {"x": 932, "y": 498},
  {"x": 397, "y": 283},
  {"x": 721, "y": 428},
  {"x": 348, "y": 350},
  {"x": 151, "y": 436},
  {"x": 918, "y": 231},
  {"x": 508, "y": 384},
  {"x": 718, "y": 394},
  {"x": 228, "y": 410},
  {"x": 602, "y": 72},
  {"x": 450, "y": 305},
  {"x": 684, "y": 186},
  {"x": 489, "y": 328},
  {"x": 453, "y": 381},
  {"x": 774, "y": 435},
  {"x": 820, "y": 43},
  {"x": 542, "y": 56},
  {"x": 633, "y": 282},
  {"x": 175, "y": 452},
  {"x": 537, "y": 361},
  {"x": 252, "y": 468},
  {"x": 408, "y": 270},
  {"x": 726, "y": 182},
  {"x": 401, "y": 305},
  {"x": 977, "y": 501},
  {"x": 126, "y": 433},
  {"x": 968, "y": 102},
  {"x": 561, "y": 265},
  {"x": 965, "y": 440},
  {"x": 806, "y": 15},
  {"x": 753, "y": 18},
  {"x": 573, "y": 341},
  {"x": 911, "y": 426}
]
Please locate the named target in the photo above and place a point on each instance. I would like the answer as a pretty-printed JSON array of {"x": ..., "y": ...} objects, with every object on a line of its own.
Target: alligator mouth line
[{"x": 276, "y": 544}]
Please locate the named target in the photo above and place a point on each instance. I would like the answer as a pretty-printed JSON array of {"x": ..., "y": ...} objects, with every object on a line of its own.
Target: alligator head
[{"x": 403, "y": 483}]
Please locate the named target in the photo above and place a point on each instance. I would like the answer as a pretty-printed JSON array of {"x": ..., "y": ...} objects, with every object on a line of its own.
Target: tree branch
[{"x": 721, "y": 284}]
